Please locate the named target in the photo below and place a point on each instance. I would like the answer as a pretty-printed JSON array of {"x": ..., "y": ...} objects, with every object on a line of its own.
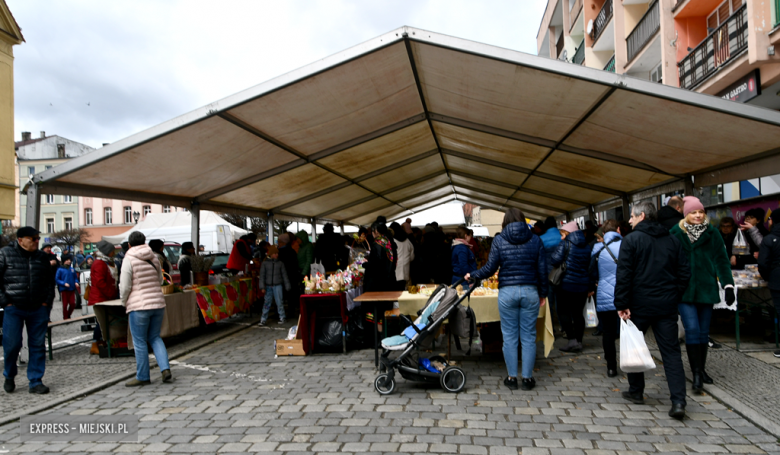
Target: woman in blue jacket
[
  {"x": 463, "y": 260},
  {"x": 522, "y": 288},
  {"x": 573, "y": 290},
  {"x": 604, "y": 273}
]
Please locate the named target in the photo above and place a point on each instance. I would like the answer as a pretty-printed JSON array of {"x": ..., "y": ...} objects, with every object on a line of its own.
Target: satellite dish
[{"x": 589, "y": 29}]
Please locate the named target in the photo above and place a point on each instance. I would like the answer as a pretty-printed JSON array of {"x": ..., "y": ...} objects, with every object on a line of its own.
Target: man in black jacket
[
  {"x": 652, "y": 274},
  {"x": 671, "y": 214},
  {"x": 25, "y": 293},
  {"x": 769, "y": 260}
]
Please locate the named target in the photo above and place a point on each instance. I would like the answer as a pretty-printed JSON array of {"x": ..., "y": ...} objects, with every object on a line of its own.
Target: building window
[
  {"x": 48, "y": 167},
  {"x": 166, "y": 209},
  {"x": 88, "y": 217},
  {"x": 49, "y": 225},
  {"x": 68, "y": 223},
  {"x": 31, "y": 170},
  {"x": 49, "y": 199},
  {"x": 107, "y": 216},
  {"x": 67, "y": 199},
  {"x": 128, "y": 215},
  {"x": 147, "y": 210}
]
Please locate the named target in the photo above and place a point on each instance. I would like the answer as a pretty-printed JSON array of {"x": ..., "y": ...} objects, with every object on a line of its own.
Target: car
[{"x": 220, "y": 263}]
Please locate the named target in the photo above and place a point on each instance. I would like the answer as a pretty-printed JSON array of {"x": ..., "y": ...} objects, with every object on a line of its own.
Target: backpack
[{"x": 464, "y": 324}]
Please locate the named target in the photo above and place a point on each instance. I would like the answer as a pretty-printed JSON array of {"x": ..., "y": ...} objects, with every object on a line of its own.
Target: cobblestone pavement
[
  {"x": 233, "y": 396},
  {"x": 73, "y": 370}
]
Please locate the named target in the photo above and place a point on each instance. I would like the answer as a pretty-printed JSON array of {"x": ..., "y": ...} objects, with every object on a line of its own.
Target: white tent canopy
[
  {"x": 413, "y": 119},
  {"x": 155, "y": 221},
  {"x": 450, "y": 214}
]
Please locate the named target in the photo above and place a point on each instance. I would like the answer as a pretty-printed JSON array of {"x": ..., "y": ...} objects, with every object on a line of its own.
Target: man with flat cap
[{"x": 25, "y": 293}]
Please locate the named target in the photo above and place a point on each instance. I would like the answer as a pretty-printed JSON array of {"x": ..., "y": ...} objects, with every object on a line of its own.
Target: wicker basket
[{"x": 167, "y": 288}]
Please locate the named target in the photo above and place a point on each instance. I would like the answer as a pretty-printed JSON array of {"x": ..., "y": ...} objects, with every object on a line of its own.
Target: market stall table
[
  {"x": 485, "y": 310},
  {"x": 220, "y": 301},
  {"x": 309, "y": 304},
  {"x": 181, "y": 314},
  {"x": 376, "y": 298}
]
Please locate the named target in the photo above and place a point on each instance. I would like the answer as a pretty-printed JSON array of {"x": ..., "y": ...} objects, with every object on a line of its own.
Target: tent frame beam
[{"x": 513, "y": 187}]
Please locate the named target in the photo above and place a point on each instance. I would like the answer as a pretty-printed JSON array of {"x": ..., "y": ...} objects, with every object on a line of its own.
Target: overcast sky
[{"x": 98, "y": 71}]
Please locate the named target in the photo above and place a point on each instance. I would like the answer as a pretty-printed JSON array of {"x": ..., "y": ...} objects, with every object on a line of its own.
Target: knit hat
[
  {"x": 775, "y": 216},
  {"x": 570, "y": 227},
  {"x": 105, "y": 247},
  {"x": 272, "y": 250},
  {"x": 691, "y": 203},
  {"x": 66, "y": 257},
  {"x": 27, "y": 231}
]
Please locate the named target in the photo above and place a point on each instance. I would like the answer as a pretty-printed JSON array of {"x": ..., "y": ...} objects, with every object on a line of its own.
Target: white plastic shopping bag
[
  {"x": 634, "y": 355},
  {"x": 317, "y": 267},
  {"x": 722, "y": 304},
  {"x": 589, "y": 312}
]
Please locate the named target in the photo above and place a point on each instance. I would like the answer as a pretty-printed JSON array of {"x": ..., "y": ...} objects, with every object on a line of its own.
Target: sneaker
[
  {"x": 572, "y": 345},
  {"x": 528, "y": 383},
  {"x": 40, "y": 389},
  {"x": 9, "y": 385},
  {"x": 777, "y": 354},
  {"x": 262, "y": 323},
  {"x": 611, "y": 373},
  {"x": 281, "y": 321},
  {"x": 135, "y": 383},
  {"x": 636, "y": 399},
  {"x": 713, "y": 345},
  {"x": 511, "y": 383},
  {"x": 166, "y": 376}
]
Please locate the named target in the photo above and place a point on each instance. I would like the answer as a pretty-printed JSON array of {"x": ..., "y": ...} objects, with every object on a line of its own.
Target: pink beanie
[
  {"x": 570, "y": 227},
  {"x": 691, "y": 203}
]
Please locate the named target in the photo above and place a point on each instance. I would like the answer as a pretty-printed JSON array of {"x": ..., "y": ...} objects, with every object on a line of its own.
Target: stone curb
[{"x": 118, "y": 378}]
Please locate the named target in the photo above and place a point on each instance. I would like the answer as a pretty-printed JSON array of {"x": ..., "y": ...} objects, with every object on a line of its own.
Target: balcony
[
  {"x": 574, "y": 12},
  {"x": 579, "y": 54},
  {"x": 602, "y": 20},
  {"x": 644, "y": 31},
  {"x": 610, "y": 66},
  {"x": 718, "y": 48}
]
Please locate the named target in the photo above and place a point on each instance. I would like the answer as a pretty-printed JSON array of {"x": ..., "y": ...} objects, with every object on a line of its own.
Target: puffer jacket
[
  {"x": 141, "y": 279},
  {"x": 25, "y": 278},
  {"x": 607, "y": 271},
  {"x": 521, "y": 256},
  {"x": 551, "y": 240},
  {"x": 463, "y": 260},
  {"x": 273, "y": 273},
  {"x": 66, "y": 275},
  {"x": 769, "y": 258},
  {"x": 577, "y": 259}
]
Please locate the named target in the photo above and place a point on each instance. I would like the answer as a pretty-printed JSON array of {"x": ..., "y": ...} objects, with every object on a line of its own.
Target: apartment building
[{"x": 723, "y": 48}]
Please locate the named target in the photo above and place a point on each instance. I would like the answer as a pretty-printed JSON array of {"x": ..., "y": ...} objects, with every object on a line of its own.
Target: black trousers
[
  {"x": 665, "y": 331},
  {"x": 610, "y": 327},
  {"x": 570, "y": 306}
]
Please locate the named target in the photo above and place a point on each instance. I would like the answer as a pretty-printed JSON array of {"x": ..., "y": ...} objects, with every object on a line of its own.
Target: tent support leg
[
  {"x": 270, "y": 228},
  {"x": 195, "y": 233},
  {"x": 689, "y": 185},
  {"x": 626, "y": 208},
  {"x": 341, "y": 226},
  {"x": 313, "y": 230},
  {"x": 33, "y": 216}
]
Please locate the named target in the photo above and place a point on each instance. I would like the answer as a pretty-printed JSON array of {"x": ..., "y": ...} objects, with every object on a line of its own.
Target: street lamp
[{"x": 136, "y": 215}]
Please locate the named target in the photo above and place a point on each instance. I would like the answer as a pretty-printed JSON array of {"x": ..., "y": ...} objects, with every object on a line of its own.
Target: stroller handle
[{"x": 460, "y": 281}]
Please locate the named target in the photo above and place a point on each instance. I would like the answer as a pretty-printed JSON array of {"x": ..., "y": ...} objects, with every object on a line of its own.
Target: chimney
[
  {"x": 61, "y": 151},
  {"x": 26, "y": 135},
  {"x": 43, "y": 134}
]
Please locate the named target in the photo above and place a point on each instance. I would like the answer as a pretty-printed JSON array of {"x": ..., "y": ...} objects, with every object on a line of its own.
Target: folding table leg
[
  {"x": 736, "y": 318},
  {"x": 48, "y": 335}
]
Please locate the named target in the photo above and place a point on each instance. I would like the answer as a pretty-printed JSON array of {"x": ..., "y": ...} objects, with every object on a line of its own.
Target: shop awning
[{"x": 413, "y": 119}]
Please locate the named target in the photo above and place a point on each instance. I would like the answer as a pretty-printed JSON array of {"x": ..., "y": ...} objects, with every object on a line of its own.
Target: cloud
[{"x": 141, "y": 63}]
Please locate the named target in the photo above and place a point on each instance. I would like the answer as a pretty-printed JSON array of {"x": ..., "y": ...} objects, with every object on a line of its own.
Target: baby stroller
[{"x": 441, "y": 305}]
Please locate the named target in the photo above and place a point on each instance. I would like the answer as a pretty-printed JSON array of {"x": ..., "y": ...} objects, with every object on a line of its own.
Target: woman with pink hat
[
  {"x": 572, "y": 293},
  {"x": 709, "y": 264}
]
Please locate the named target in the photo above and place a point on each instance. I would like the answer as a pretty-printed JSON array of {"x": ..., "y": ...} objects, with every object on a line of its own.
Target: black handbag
[{"x": 556, "y": 274}]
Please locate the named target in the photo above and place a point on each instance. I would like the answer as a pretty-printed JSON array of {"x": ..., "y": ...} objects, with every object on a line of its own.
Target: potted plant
[{"x": 200, "y": 269}]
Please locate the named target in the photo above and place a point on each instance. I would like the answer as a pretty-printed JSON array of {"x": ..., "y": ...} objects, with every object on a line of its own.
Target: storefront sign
[{"x": 744, "y": 90}]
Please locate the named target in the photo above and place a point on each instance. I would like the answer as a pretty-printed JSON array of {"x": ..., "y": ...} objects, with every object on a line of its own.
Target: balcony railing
[
  {"x": 579, "y": 54},
  {"x": 720, "y": 46},
  {"x": 574, "y": 12},
  {"x": 777, "y": 12},
  {"x": 647, "y": 27},
  {"x": 559, "y": 46},
  {"x": 602, "y": 20},
  {"x": 610, "y": 66}
]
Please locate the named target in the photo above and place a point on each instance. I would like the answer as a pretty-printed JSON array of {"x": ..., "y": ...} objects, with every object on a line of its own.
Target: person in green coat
[
  {"x": 709, "y": 264},
  {"x": 305, "y": 253}
]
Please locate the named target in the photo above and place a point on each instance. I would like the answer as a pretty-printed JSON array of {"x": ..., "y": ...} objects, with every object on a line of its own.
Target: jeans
[
  {"x": 610, "y": 327},
  {"x": 665, "y": 331},
  {"x": 518, "y": 307},
  {"x": 696, "y": 319},
  {"x": 37, "y": 322},
  {"x": 145, "y": 328},
  {"x": 273, "y": 293},
  {"x": 68, "y": 303},
  {"x": 570, "y": 306}
]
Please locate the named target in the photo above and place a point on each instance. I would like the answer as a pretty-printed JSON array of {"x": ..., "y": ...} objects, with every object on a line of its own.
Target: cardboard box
[{"x": 289, "y": 347}]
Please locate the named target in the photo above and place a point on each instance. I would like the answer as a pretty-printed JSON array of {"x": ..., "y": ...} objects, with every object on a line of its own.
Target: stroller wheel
[
  {"x": 384, "y": 384},
  {"x": 453, "y": 379}
]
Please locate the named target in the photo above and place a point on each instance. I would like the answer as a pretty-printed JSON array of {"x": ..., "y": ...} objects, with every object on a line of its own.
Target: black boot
[
  {"x": 704, "y": 376},
  {"x": 694, "y": 359}
]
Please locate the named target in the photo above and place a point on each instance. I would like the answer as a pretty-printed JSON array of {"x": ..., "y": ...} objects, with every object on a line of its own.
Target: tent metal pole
[
  {"x": 195, "y": 211},
  {"x": 626, "y": 208},
  {"x": 341, "y": 226},
  {"x": 313, "y": 230},
  {"x": 689, "y": 185},
  {"x": 33, "y": 217},
  {"x": 270, "y": 228}
]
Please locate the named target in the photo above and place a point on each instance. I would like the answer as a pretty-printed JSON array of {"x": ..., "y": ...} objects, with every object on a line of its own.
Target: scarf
[
  {"x": 110, "y": 263},
  {"x": 384, "y": 243},
  {"x": 696, "y": 230},
  {"x": 460, "y": 242}
]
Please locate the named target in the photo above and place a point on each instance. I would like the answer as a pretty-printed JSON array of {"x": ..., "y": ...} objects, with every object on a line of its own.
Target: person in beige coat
[{"x": 142, "y": 296}]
